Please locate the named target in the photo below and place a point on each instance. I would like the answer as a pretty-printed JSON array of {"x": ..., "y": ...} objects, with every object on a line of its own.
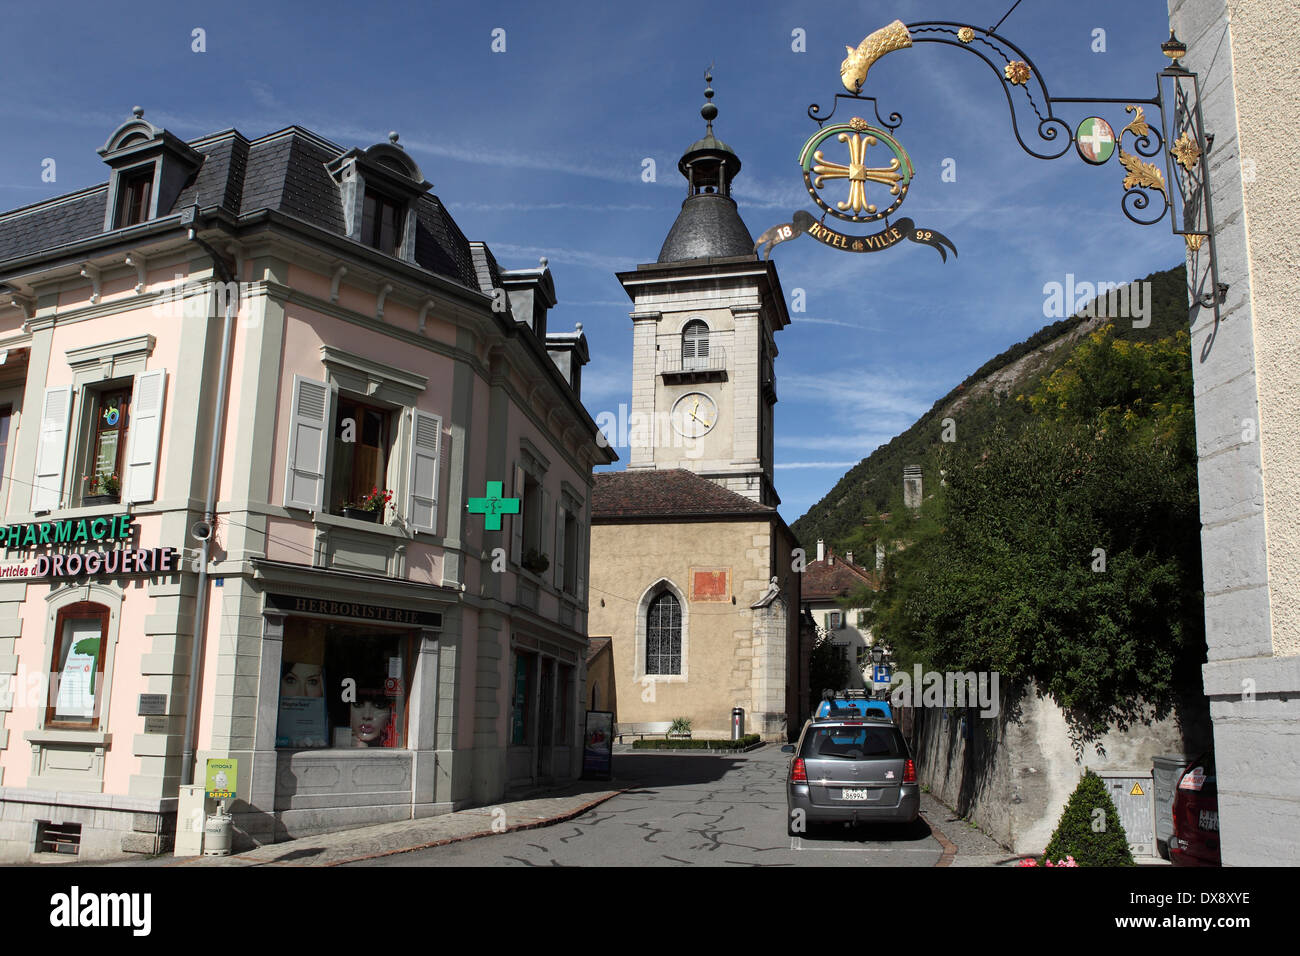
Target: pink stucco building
[{"x": 207, "y": 366}]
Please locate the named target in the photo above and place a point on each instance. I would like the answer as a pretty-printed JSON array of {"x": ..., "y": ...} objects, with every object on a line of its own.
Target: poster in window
[
  {"x": 520, "y": 700},
  {"x": 598, "y": 746},
  {"x": 76, "y": 693},
  {"x": 303, "y": 718}
]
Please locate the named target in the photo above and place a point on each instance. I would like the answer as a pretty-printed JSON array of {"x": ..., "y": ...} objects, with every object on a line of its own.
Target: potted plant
[
  {"x": 101, "y": 490},
  {"x": 680, "y": 729},
  {"x": 368, "y": 507},
  {"x": 535, "y": 561}
]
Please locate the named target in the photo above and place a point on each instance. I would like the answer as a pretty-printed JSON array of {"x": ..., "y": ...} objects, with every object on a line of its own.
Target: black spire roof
[{"x": 709, "y": 224}]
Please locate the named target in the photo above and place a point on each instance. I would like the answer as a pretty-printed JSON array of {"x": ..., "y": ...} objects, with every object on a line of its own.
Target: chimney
[
  {"x": 880, "y": 556},
  {"x": 821, "y": 550},
  {"x": 849, "y": 557},
  {"x": 912, "y": 486}
]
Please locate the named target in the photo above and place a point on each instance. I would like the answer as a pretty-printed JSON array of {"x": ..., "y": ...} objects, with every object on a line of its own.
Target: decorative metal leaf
[
  {"x": 1139, "y": 125},
  {"x": 1144, "y": 175}
]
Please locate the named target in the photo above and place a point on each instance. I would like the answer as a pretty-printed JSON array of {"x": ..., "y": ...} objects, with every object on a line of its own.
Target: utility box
[{"x": 1133, "y": 796}]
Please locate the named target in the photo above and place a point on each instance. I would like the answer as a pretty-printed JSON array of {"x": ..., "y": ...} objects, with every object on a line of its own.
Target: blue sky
[{"x": 539, "y": 151}]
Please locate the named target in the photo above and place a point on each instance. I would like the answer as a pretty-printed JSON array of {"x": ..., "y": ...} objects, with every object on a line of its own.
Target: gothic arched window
[
  {"x": 695, "y": 344},
  {"x": 663, "y": 635}
]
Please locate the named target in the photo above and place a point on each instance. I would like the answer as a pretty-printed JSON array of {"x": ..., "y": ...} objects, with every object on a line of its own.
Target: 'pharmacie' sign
[{"x": 93, "y": 530}]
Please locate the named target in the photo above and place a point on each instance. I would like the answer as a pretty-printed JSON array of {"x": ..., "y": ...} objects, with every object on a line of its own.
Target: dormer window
[
  {"x": 134, "y": 195},
  {"x": 379, "y": 189},
  {"x": 150, "y": 167},
  {"x": 381, "y": 222}
]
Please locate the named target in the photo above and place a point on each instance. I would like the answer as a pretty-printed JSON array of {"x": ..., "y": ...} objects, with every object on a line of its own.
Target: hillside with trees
[
  {"x": 1059, "y": 543},
  {"x": 985, "y": 399}
]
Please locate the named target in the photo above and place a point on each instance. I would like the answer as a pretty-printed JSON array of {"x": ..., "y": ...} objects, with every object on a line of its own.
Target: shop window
[
  {"x": 566, "y": 711},
  {"x": 110, "y": 412},
  {"x": 77, "y": 666},
  {"x": 521, "y": 699},
  {"x": 363, "y": 444},
  {"x": 663, "y": 644},
  {"x": 343, "y": 685},
  {"x": 381, "y": 222},
  {"x": 134, "y": 193}
]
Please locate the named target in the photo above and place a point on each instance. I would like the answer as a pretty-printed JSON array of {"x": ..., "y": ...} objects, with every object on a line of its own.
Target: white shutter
[
  {"x": 580, "y": 554},
  {"x": 426, "y": 436},
  {"x": 304, "y": 480},
  {"x": 52, "y": 452},
  {"x": 559, "y": 547},
  {"x": 517, "y": 520},
  {"x": 145, "y": 436}
]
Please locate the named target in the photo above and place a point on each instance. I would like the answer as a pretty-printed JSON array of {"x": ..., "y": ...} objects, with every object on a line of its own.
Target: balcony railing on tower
[{"x": 673, "y": 366}]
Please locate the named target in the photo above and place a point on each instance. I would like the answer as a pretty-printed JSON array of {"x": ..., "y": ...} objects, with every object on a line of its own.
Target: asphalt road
[{"x": 687, "y": 810}]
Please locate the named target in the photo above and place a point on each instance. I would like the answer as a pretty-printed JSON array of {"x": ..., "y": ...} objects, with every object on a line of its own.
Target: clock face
[{"x": 694, "y": 414}]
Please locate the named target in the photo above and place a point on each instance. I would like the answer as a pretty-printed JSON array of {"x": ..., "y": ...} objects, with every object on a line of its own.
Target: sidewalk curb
[
  {"x": 536, "y": 824},
  {"x": 949, "y": 848}
]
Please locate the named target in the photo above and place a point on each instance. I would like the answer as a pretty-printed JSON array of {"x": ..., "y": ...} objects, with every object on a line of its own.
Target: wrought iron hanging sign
[{"x": 871, "y": 161}]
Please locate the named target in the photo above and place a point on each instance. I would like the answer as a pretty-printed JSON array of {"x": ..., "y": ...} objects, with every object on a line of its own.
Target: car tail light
[
  {"x": 909, "y": 772},
  {"x": 797, "y": 772}
]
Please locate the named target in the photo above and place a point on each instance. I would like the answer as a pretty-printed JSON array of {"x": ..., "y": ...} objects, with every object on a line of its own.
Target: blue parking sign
[{"x": 880, "y": 674}]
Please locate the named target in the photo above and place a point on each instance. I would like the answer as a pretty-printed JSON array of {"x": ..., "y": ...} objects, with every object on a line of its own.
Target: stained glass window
[{"x": 663, "y": 636}]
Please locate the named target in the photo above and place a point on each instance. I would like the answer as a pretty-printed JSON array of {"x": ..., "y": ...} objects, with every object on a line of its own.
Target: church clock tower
[{"x": 704, "y": 318}]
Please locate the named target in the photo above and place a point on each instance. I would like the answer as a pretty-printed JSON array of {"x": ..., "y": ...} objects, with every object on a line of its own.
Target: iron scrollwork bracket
[{"x": 1179, "y": 136}]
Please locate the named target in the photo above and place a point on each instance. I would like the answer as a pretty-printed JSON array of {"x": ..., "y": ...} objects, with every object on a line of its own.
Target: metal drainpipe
[{"x": 209, "y": 516}]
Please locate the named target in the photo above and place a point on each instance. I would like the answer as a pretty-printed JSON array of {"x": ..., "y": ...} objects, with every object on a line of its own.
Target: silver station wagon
[{"x": 850, "y": 770}]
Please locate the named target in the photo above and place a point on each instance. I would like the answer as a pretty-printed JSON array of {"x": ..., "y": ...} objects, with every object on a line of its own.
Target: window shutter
[
  {"x": 543, "y": 529},
  {"x": 140, "y": 482},
  {"x": 52, "y": 452},
  {"x": 426, "y": 435},
  {"x": 559, "y": 546},
  {"x": 304, "y": 482},
  {"x": 580, "y": 555},
  {"x": 517, "y": 520}
]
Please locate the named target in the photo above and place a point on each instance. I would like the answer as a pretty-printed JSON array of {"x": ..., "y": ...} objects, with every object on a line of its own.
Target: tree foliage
[
  {"x": 1067, "y": 552},
  {"x": 1089, "y": 829}
]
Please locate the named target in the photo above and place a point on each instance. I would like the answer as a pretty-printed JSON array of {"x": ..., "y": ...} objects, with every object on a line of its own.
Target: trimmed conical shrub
[{"x": 1089, "y": 829}]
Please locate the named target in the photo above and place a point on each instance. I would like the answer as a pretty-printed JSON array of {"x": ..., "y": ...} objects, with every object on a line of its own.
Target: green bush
[
  {"x": 1092, "y": 839},
  {"x": 656, "y": 744}
]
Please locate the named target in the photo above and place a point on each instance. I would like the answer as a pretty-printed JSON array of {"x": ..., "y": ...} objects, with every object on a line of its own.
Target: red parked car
[{"x": 1195, "y": 841}]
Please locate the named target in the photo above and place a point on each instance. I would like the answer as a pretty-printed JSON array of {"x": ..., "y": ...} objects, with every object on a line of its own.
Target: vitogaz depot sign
[{"x": 104, "y": 531}]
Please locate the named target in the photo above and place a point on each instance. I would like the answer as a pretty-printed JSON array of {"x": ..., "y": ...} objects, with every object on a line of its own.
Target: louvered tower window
[{"x": 695, "y": 345}]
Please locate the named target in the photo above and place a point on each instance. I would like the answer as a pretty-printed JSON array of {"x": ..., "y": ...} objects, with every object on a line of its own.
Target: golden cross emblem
[{"x": 857, "y": 173}]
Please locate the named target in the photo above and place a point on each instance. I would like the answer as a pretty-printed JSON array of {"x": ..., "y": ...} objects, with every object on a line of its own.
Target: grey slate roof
[
  {"x": 708, "y": 225},
  {"x": 284, "y": 171}
]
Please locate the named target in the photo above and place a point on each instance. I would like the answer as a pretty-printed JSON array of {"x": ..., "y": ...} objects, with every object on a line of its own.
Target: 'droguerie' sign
[{"x": 100, "y": 529}]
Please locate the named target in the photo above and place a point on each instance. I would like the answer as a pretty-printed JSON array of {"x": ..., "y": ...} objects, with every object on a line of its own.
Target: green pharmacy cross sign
[{"x": 493, "y": 506}]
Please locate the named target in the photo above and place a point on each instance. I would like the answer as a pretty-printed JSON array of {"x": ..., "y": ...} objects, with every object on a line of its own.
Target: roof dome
[{"x": 709, "y": 224}]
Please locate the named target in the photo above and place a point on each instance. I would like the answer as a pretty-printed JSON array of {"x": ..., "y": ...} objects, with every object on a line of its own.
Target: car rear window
[{"x": 853, "y": 742}]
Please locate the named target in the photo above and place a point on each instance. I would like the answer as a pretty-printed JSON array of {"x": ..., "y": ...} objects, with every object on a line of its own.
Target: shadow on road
[{"x": 649, "y": 772}]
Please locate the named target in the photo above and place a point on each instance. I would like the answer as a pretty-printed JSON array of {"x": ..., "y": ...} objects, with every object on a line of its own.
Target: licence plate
[
  {"x": 1209, "y": 820},
  {"x": 855, "y": 794}
]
